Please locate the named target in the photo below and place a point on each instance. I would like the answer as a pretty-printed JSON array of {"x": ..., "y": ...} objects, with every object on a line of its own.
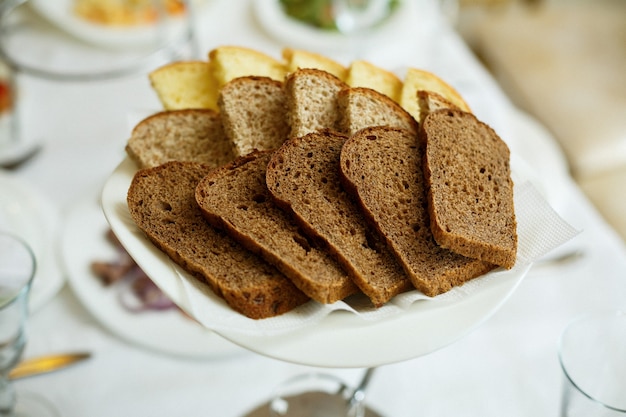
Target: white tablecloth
[{"x": 507, "y": 366}]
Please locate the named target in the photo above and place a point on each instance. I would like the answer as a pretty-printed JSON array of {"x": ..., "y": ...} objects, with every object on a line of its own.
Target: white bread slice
[
  {"x": 416, "y": 80},
  {"x": 253, "y": 113},
  {"x": 365, "y": 74},
  {"x": 296, "y": 59},
  {"x": 185, "y": 85},
  {"x": 229, "y": 62}
]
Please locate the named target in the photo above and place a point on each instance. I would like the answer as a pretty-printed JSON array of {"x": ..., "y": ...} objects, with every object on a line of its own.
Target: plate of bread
[
  {"x": 105, "y": 280},
  {"x": 322, "y": 214}
]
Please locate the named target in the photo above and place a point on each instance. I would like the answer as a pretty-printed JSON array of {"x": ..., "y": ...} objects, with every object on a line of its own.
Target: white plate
[
  {"x": 84, "y": 241},
  {"x": 60, "y": 13},
  {"x": 283, "y": 28},
  {"x": 26, "y": 213},
  {"x": 338, "y": 339}
]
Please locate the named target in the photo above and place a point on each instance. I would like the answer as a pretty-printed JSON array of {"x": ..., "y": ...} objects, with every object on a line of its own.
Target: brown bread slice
[
  {"x": 303, "y": 177},
  {"x": 236, "y": 199},
  {"x": 253, "y": 113},
  {"x": 180, "y": 135},
  {"x": 162, "y": 203},
  {"x": 312, "y": 101},
  {"x": 470, "y": 191},
  {"x": 361, "y": 107},
  {"x": 382, "y": 167}
]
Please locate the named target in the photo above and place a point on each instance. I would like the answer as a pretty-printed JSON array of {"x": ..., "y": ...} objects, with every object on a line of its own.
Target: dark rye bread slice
[
  {"x": 303, "y": 177},
  {"x": 470, "y": 191},
  {"x": 162, "y": 203},
  {"x": 236, "y": 199},
  {"x": 253, "y": 113},
  {"x": 361, "y": 107},
  {"x": 312, "y": 101},
  {"x": 180, "y": 135},
  {"x": 382, "y": 167}
]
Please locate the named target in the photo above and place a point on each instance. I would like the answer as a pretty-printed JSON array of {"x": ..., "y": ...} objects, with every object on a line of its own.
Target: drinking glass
[
  {"x": 320, "y": 395},
  {"x": 17, "y": 269},
  {"x": 592, "y": 353}
]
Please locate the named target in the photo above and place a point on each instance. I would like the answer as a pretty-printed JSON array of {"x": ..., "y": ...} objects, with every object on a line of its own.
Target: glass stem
[{"x": 7, "y": 396}]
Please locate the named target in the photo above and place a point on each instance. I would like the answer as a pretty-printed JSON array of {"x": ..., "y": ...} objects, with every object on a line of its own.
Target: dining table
[{"x": 508, "y": 365}]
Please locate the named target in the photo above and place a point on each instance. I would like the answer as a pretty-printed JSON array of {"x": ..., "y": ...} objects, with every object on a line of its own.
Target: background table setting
[{"x": 161, "y": 363}]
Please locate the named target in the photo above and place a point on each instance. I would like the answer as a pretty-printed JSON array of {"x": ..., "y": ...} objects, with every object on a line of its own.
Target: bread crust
[
  {"x": 253, "y": 113},
  {"x": 194, "y": 135},
  {"x": 235, "y": 198},
  {"x": 303, "y": 177},
  {"x": 381, "y": 167},
  {"x": 161, "y": 201},
  {"x": 470, "y": 191}
]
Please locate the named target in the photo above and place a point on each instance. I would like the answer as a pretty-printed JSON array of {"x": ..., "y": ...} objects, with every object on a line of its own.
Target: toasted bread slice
[
  {"x": 296, "y": 59},
  {"x": 253, "y": 113},
  {"x": 180, "y": 135},
  {"x": 185, "y": 85},
  {"x": 312, "y": 101},
  {"x": 416, "y": 80},
  {"x": 230, "y": 62},
  {"x": 364, "y": 74},
  {"x": 235, "y": 198},
  {"x": 382, "y": 168},
  {"x": 303, "y": 177},
  {"x": 162, "y": 203},
  {"x": 361, "y": 107},
  {"x": 470, "y": 191}
]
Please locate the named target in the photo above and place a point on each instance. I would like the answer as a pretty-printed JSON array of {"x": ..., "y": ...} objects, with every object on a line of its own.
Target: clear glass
[
  {"x": 592, "y": 354},
  {"x": 320, "y": 395},
  {"x": 17, "y": 269}
]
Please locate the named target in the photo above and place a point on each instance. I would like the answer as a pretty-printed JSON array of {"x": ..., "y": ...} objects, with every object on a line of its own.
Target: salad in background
[{"x": 322, "y": 14}]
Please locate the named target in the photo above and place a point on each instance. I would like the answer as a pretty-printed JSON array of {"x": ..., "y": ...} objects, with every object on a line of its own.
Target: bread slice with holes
[
  {"x": 236, "y": 199},
  {"x": 312, "y": 101},
  {"x": 253, "y": 113},
  {"x": 161, "y": 201},
  {"x": 361, "y": 107},
  {"x": 470, "y": 191},
  {"x": 382, "y": 167},
  {"x": 303, "y": 177},
  {"x": 180, "y": 135}
]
